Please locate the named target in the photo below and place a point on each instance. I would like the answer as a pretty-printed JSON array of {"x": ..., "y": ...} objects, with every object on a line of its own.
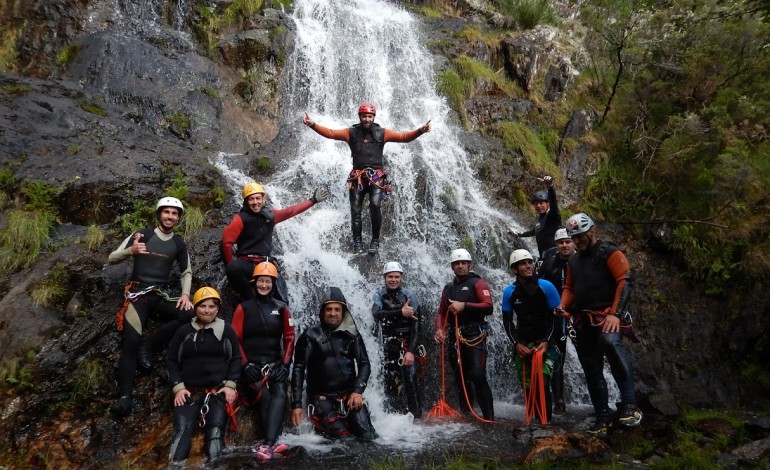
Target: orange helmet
[
  {"x": 205, "y": 293},
  {"x": 367, "y": 108},
  {"x": 264, "y": 268}
]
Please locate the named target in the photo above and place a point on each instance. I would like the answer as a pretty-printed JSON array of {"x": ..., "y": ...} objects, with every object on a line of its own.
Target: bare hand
[
  {"x": 355, "y": 401},
  {"x": 522, "y": 350},
  {"x": 456, "y": 307},
  {"x": 184, "y": 303},
  {"x": 230, "y": 394},
  {"x": 307, "y": 121},
  {"x": 407, "y": 311},
  {"x": 439, "y": 336},
  {"x": 180, "y": 397},
  {"x": 297, "y": 416},
  {"x": 547, "y": 180},
  {"x": 611, "y": 324},
  {"x": 425, "y": 128},
  {"x": 138, "y": 248},
  {"x": 408, "y": 358},
  {"x": 542, "y": 346}
]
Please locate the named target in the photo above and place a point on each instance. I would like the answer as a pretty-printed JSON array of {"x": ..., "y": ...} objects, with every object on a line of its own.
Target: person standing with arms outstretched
[{"x": 367, "y": 141}]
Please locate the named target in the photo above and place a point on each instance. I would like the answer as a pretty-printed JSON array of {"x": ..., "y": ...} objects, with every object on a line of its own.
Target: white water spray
[{"x": 347, "y": 52}]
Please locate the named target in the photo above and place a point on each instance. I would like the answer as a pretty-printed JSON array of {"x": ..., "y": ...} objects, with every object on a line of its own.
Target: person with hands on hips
[{"x": 203, "y": 363}]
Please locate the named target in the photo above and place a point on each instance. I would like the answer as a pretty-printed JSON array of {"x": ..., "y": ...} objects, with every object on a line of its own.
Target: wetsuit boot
[
  {"x": 374, "y": 246},
  {"x": 213, "y": 442},
  {"x": 557, "y": 387},
  {"x": 144, "y": 357},
  {"x": 123, "y": 407}
]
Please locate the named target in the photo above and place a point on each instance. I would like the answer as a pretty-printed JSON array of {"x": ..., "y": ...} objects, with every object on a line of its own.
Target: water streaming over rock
[{"x": 348, "y": 52}]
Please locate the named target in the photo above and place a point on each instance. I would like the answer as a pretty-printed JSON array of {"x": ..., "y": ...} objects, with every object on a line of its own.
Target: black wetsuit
[
  {"x": 328, "y": 361},
  {"x": 473, "y": 327},
  {"x": 265, "y": 332},
  {"x": 554, "y": 269},
  {"x": 202, "y": 360},
  {"x": 546, "y": 225},
  {"x": 366, "y": 147},
  {"x": 399, "y": 335}
]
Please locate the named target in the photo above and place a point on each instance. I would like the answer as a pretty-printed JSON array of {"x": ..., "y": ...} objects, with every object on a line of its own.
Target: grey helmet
[
  {"x": 539, "y": 196},
  {"x": 579, "y": 223}
]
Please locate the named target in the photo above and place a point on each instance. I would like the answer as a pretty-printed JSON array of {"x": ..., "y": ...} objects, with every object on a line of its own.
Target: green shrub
[
  {"x": 206, "y": 24},
  {"x": 528, "y": 13},
  {"x": 179, "y": 123},
  {"x": 263, "y": 165},
  {"x": 15, "y": 89},
  {"x": 210, "y": 91},
  {"x": 142, "y": 216},
  {"x": 50, "y": 289},
  {"x": 239, "y": 10},
  {"x": 192, "y": 222},
  {"x": 451, "y": 86},
  {"x": 94, "y": 237},
  {"x": 25, "y": 236},
  {"x": 40, "y": 196},
  {"x": 220, "y": 195},
  {"x": 73, "y": 149},
  {"x": 178, "y": 187},
  {"x": 473, "y": 73},
  {"x": 519, "y": 137}
]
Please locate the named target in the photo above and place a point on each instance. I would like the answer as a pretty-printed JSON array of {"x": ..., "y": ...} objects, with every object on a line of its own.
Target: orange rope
[
  {"x": 442, "y": 408},
  {"x": 120, "y": 316},
  {"x": 534, "y": 402},
  {"x": 462, "y": 377}
]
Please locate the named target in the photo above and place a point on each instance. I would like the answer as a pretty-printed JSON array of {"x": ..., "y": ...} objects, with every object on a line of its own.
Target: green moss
[
  {"x": 94, "y": 237},
  {"x": 179, "y": 123},
  {"x": 40, "y": 196},
  {"x": 263, "y": 165},
  {"x": 178, "y": 187},
  {"x": 192, "y": 222},
  {"x": 73, "y": 149},
  {"x": 220, "y": 195},
  {"x": 15, "y": 89},
  {"x": 429, "y": 12},
  {"x": 206, "y": 24},
  {"x": 65, "y": 57},
  {"x": 451, "y": 86},
  {"x": 17, "y": 371},
  {"x": 238, "y": 10},
  {"x": 210, "y": 91},
  {"x": 519, "y": 137},
  {"x": 93, "y": 109},
  {"x": 11, "y": 30},
  {"x": 474, "y": 72}
]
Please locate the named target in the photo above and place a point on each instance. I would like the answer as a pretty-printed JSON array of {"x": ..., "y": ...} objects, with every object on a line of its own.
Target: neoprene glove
[
  {"x": 320, "y": 194},
  {"x": 252, "y": 374},
  {"x": 280, "y": 373}
]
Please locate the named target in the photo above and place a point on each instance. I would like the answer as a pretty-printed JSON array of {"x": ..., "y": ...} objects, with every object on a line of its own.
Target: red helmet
[{"x": 367, "y": 108}]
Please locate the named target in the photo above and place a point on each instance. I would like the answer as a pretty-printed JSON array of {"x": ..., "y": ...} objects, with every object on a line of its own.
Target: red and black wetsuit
[
  {"x": 265, "y": 332},
  {"x": 474, "y": 291},
  {"x": 253, "y": 234},
  {"x": 366, "y": 149},
  {"x": 598, "y": 279}
]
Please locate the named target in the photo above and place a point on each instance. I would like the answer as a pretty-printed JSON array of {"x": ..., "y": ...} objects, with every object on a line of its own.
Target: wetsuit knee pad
[
  {"x": 133, "y": 319},
  {"x": 181, "y": 440},
  {"x": 214, "y": 441}
]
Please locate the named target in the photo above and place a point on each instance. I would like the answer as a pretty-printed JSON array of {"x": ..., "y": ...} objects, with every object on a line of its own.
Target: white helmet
[
  {"x": 519, "y": 255},
  {"x": 460, "y": 254},
  {"x": 392, "y": 267},
  {"x": 169, "y": 202},
  {"x": 579, "y": 223},
  {"x": 560, "y": 234}
]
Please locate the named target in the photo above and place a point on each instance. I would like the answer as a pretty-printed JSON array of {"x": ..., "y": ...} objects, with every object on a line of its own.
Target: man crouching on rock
[{"x": 328, "y": 355}]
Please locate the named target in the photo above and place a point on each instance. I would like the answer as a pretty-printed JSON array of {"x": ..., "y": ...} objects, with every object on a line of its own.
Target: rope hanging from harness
[
  {"x": 534, "y": 400},
  {"x": 360, "y": 179},
  {"x": 475, "y": 342},
  {"x": 132, "y": 296}
]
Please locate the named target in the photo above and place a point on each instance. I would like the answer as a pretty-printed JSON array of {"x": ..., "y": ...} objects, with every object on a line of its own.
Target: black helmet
[
  {"x": 333, "y": 295},
  {"x": 539, "y": 196}
]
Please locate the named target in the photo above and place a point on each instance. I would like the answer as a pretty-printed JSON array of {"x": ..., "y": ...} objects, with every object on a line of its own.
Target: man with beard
[
  {"x": 252, "y": 231},
  {"x": 332, "y": 358},
  {"x": 367, "y": 141}
]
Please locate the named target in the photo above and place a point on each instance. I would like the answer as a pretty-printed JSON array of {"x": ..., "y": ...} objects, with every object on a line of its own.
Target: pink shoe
[{"x": 264, "y": 452}]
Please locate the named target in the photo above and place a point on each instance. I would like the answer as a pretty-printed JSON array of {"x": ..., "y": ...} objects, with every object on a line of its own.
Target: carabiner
[
  {"x": 421, "y": 351},
  {"x": 401, "y": 355},
  {"x": 265, "y": 370},
  {"x": 204, "y": 411}
]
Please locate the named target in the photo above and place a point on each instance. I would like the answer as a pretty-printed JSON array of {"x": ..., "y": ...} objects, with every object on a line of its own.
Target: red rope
[
  {"x": 534, "y": 402},
  {"x": 442, "y": 408},
  {"x": 462, "y": 377}
]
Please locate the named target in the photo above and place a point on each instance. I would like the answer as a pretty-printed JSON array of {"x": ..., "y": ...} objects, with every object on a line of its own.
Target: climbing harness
[
  {"x": 341, "y": 412},
  {"x": 472, "y": 342},
  {"x": 204, "y": 410},
  {"x": 534, "y": 401},
  {"x": 130, "y": 297},
  {"x": 360, "y": 179}
]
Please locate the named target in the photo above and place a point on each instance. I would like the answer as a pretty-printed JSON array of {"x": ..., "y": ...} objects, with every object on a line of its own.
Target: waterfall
[{"x": 348, "y": 52}]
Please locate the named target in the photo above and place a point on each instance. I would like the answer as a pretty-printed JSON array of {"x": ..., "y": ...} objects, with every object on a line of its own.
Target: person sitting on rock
[
  {"x": 154, "y": 251},
  {"x": 204, "y": 364},
  {"x": 367, "y": 141},
  {"x": 251, "y": 230}
]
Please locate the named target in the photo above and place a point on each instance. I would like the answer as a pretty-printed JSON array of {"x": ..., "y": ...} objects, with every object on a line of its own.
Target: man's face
[
  {"x": 256, "y": 202},
  {"x": 541, "y": 207},
  {"x": 168, "y": 218},
  {"x": 366, "y": 119},
  {"x": 585, "y": 240},
  {"x": 525, "y": 269},
  {"x": 333, "y": 314},
  {"x": 566, "y": 247},
  {"x": 461, "y": 268},
  {"x": 393, "y": 280}
]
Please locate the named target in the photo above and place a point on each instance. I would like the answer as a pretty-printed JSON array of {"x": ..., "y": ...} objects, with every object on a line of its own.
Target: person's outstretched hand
[{"x": 320, "y": 194}]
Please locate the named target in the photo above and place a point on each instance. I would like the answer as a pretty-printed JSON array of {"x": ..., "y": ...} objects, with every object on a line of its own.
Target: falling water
[{"x": 347, "y": 52}]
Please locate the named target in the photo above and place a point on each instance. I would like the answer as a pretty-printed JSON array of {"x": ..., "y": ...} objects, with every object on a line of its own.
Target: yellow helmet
[
  {"x": 252, "y": 188},
  {"x": 264, "y": 269},
  {"x": 205, "y": 293}
]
